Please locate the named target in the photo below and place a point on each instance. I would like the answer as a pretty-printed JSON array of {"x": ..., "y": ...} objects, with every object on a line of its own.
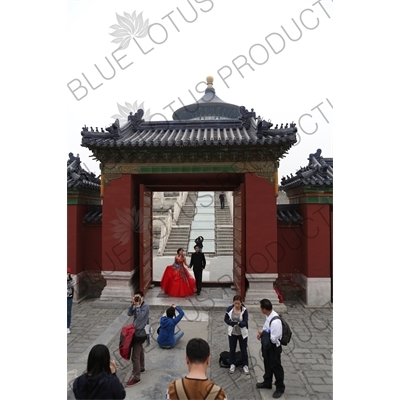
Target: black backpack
[
  {"x": 286, "y": 331},
  {"x": 224, "y": 357}
]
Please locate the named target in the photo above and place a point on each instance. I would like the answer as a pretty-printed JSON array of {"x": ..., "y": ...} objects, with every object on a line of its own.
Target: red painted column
[
  {"x": 261, "y": 226},
  {"x": 261, "y": 234},
  {"x": 316, "y": 232},
  {"x": 118, "y": 215}
]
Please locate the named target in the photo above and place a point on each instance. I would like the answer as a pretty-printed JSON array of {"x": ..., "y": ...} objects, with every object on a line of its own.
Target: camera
[{"x": 137, "y": 299}]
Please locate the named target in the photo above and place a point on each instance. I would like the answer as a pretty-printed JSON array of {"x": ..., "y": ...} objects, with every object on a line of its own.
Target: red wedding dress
[{"x": 177, "y": 281}]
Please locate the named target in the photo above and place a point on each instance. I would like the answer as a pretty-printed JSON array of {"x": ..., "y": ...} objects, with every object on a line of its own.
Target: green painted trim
[
  {"x": 312, "y": 200},
  {"x": 184, "y": 169},
  {"x": 83, "y": 201}
]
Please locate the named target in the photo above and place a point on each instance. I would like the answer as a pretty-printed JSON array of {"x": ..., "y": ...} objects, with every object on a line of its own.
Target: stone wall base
[
  {"x": 261, "y": 286},
  {"x": 118, "y": 286},
  {"x": 80, "y": 287},
  {"x": 316, "y": 292},
  {"x": 88, "y": 284}
]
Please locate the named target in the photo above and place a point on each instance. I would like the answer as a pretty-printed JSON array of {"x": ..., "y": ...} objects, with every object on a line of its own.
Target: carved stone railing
[
  {"x": 229, "y": 198},
  {"x": 180, "y": 202},
  {"x": 165, "y": 231}
]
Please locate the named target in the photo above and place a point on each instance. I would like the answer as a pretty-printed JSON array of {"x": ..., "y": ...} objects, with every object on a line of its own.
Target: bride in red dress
[{"x": 176, "y": 281}]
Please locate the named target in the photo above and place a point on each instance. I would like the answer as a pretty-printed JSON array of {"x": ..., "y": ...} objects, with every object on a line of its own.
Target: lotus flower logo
[
  {"x": 127, "y": 222},
  {"x": 128, "y": 27},
  {"x": 127, "y": 109}
]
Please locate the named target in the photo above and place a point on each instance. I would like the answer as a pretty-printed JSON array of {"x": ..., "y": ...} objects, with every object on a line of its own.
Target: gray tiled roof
[
  {"x": 319, "y": 171},
  {"x": 94, "y": 214},
  {"x": 210, "y": 106},
  {"x": 77, "y": 177},
  {"x": 191, "y": 133},
  {"x": 288, "y": 213}
]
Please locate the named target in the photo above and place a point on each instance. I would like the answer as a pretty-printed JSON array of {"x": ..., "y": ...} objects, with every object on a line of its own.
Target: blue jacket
[{"x": 167, "y": 328}]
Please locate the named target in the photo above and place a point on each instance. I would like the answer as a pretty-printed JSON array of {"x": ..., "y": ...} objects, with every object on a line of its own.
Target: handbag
[{"x": 140, "y": 335}]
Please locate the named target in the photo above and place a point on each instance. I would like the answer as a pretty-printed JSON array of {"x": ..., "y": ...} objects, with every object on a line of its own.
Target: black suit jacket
[{"x": 198, "y": 261}]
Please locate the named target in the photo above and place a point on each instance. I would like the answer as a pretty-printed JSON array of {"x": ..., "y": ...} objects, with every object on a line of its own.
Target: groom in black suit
[{"x": 198, "y": 262}]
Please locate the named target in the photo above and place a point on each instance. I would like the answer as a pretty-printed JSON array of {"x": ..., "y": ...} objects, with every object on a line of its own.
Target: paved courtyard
[{"x": 307, "y": 360}]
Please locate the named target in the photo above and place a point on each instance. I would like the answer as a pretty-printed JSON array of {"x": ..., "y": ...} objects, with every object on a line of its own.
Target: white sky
[{"x": 282, "y": 87}]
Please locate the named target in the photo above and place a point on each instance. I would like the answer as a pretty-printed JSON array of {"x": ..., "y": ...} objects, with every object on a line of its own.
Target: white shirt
[{"x": 276, "y": 328}]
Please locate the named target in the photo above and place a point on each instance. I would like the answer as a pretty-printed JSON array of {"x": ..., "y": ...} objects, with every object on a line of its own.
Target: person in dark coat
[
  {"x": 222, "y": 200},
  {"x": 198, "y": 262},
  {"x": 199, "y": 242},
  {"x": 100, "y": 380}
]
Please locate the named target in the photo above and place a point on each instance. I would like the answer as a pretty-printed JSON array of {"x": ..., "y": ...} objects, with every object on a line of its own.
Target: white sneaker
[
  {"x": 246, "y": 370},
  {"x": 232, "y": 369},
  {"x": 68, "y": 331}
]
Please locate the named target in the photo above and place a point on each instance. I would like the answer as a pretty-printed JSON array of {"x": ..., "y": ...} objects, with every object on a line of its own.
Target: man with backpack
[
  {"x": 196, "y": 385},
  {"x": 270, "y": 336}
]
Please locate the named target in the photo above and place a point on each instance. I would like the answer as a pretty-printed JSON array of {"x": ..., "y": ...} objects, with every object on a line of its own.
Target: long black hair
[{"x": 98, "y": 360}]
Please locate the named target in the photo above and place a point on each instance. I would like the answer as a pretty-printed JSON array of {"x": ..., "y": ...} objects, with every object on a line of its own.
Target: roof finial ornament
[{"x": 210, "y": 81}]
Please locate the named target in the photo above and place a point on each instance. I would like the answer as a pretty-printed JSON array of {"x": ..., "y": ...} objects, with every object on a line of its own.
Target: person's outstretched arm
[{"x": 180, "y": 315}]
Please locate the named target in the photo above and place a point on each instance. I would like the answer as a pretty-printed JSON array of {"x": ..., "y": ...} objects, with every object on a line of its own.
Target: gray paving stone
[
  {"x": 323, "y": 388},
  {"x": 320, "y": 367},
  {"x": 316, "y": 381},
  {"x": 324, "y": 396},
  {"x": 310, "y": 373}
]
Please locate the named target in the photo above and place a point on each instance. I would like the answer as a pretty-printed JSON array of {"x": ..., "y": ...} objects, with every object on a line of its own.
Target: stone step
[{"x": 179, "y": 236}]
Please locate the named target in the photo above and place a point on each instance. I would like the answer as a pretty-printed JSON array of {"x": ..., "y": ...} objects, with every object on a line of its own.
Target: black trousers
[
  {"x": 273, "y": 366},
  {"x": 233, "y": 339},
  {"x": 198, "y": 275}
]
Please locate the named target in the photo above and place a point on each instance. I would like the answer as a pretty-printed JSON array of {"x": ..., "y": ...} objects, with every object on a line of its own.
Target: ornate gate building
[{"x": 207, "y": 146}]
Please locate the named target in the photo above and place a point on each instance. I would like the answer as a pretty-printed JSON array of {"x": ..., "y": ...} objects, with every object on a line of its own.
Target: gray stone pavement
[{"x": 307, "y": 360}]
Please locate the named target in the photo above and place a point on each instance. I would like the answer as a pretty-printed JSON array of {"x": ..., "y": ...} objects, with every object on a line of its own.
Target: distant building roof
[
  {"x": 319, "y": 171},
  {"x": 77, "y": 177}
]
